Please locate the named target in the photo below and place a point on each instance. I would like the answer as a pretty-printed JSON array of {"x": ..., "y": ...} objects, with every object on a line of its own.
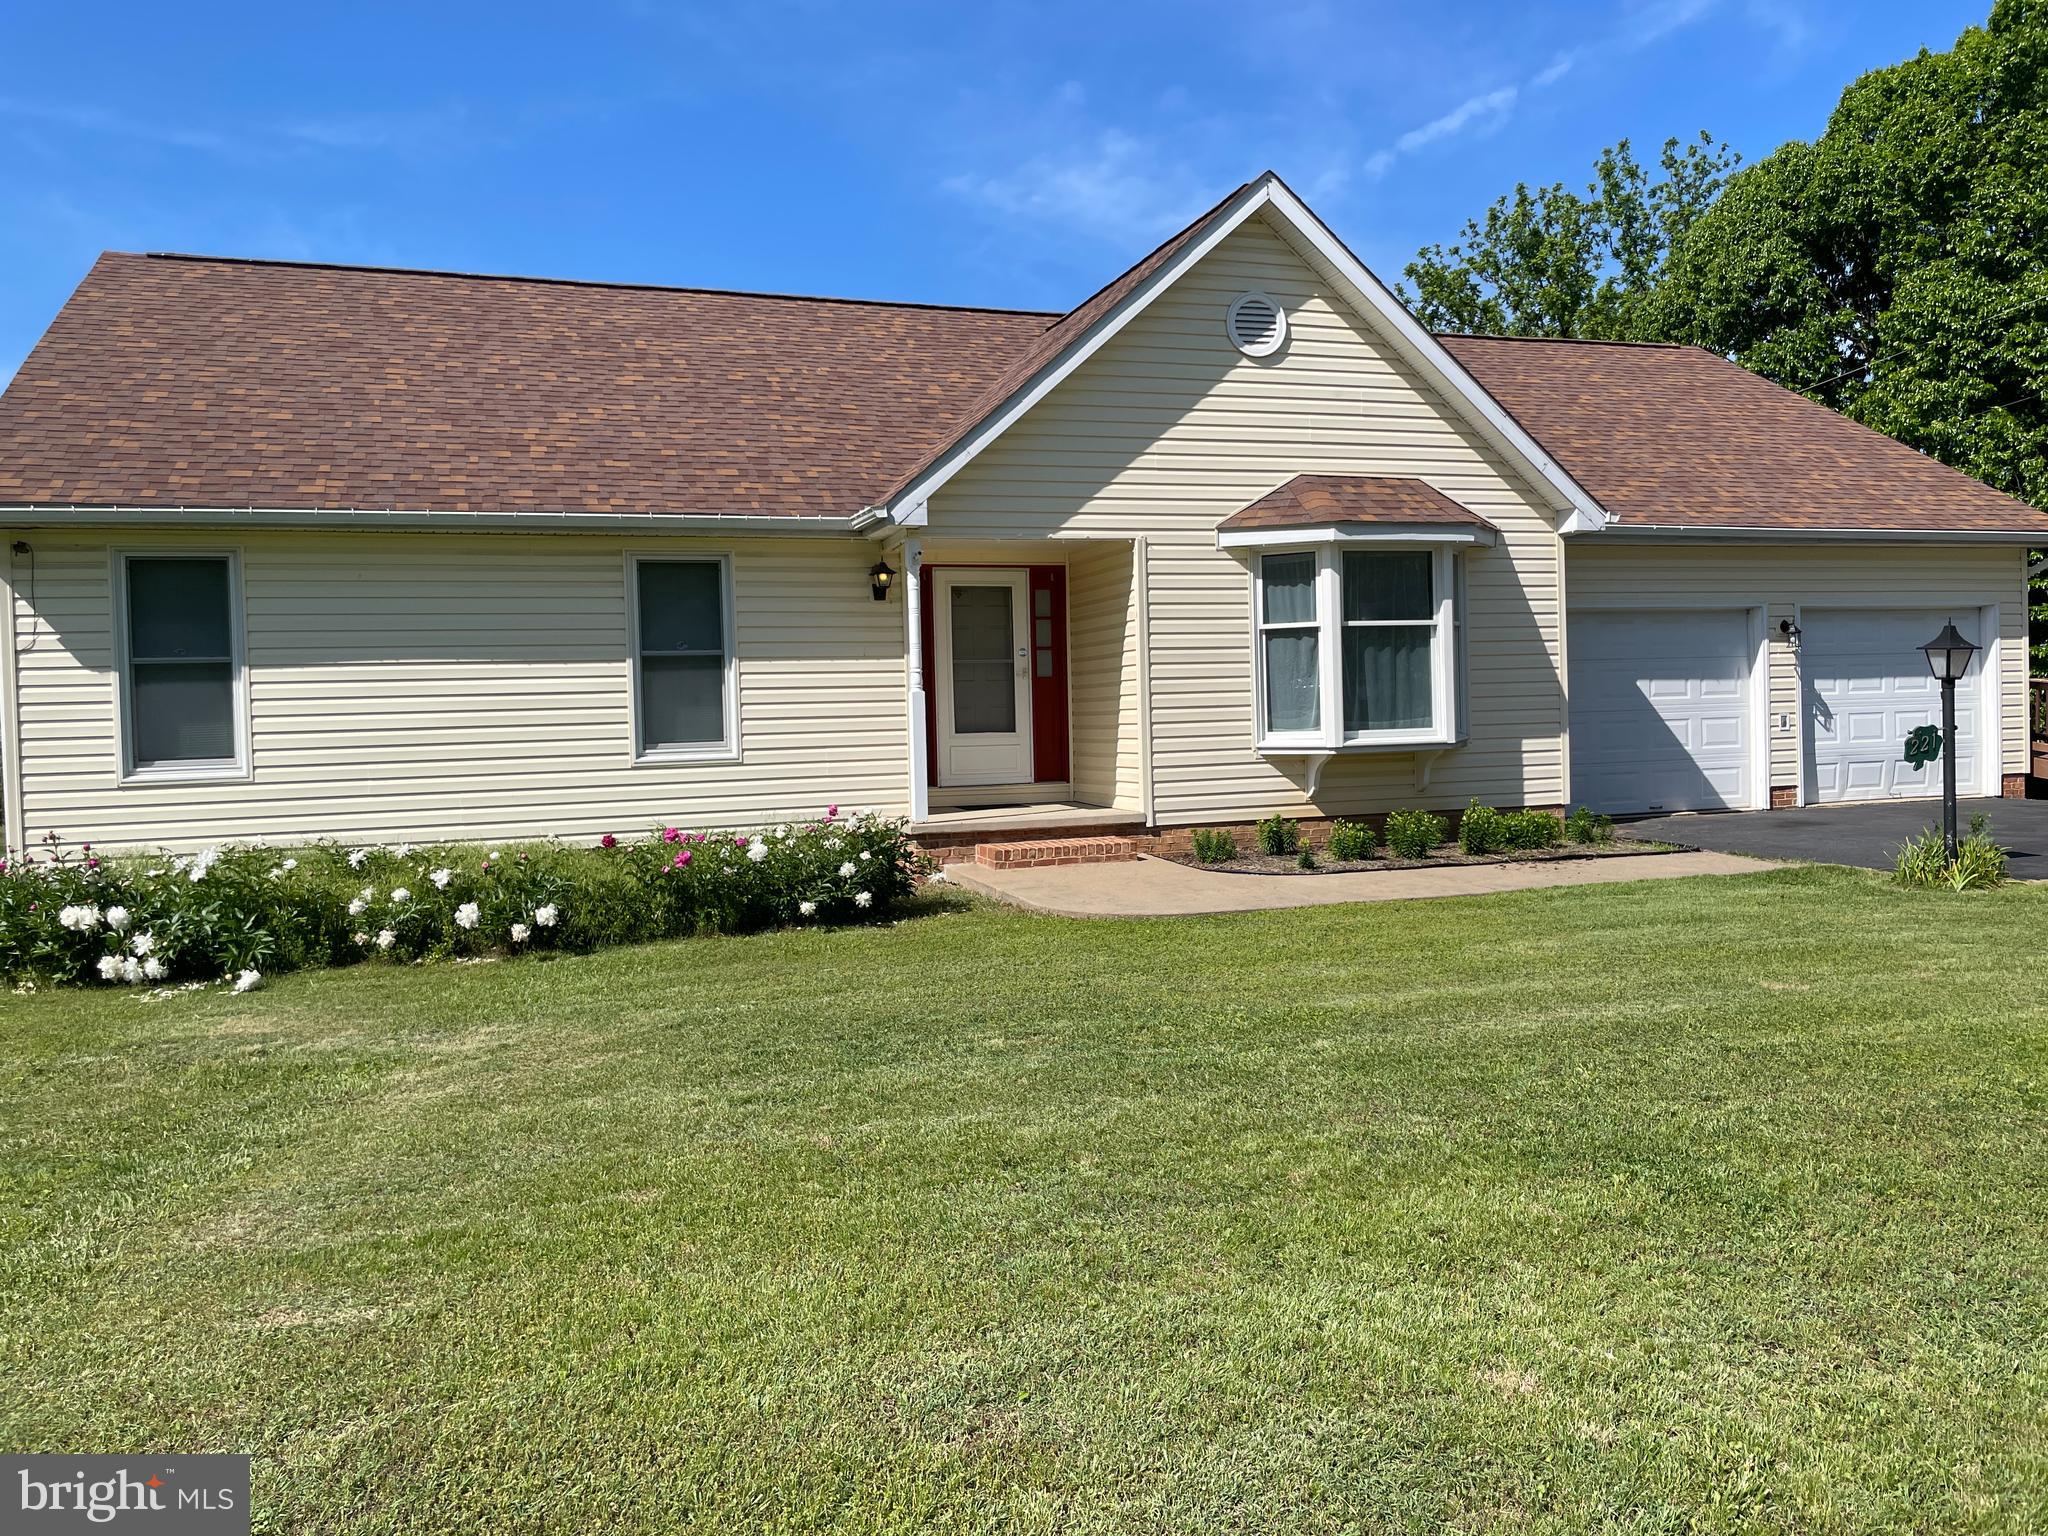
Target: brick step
[{"x": 1044, "y": 853}]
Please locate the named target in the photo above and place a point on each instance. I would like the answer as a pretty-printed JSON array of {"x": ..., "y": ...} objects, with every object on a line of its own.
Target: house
[{"x": 308, "y": 551}]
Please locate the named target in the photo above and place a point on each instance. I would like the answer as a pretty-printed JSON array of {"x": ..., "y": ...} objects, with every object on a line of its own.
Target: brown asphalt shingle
[
  {"x": 1678, "y": 436},
  {"x": 186, "y": 382},
  {"x": 1323, "y": 501},
  {"x": 180, "y": 381}
]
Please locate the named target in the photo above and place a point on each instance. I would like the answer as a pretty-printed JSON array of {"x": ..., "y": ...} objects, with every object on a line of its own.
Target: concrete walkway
[{"x": 1149, "y": 887}]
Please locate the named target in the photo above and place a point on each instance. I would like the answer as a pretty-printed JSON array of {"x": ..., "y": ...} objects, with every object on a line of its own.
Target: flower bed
[{"x": 239, "y": 911}]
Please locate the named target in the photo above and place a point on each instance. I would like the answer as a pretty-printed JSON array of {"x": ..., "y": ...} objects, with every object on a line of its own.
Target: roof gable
[{"x": 1085, "y": 330}]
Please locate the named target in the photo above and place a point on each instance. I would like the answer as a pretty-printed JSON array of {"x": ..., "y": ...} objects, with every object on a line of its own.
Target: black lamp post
[{"x": 1948, "y": 657}]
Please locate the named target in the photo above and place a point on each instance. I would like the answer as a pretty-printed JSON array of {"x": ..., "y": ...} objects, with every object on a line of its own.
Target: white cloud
[
  {"x": 1112, "y": 184},
  {"x": 1554, "y": 71},
  {"x": 1486, "y": 110}
]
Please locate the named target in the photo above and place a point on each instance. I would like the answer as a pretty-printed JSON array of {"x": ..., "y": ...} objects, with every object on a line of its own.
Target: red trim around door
[{"x": 1049, "y": 726}]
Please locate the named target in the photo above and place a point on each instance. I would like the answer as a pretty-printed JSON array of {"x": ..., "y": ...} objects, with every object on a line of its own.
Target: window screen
[
  {"x": 181, "y": 661},
  {"x": 682, "y": 653}
]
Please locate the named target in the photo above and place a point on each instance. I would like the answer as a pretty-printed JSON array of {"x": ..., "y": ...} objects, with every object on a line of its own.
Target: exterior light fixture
[
  {"x": 881, "y": 577},
  {"x": 1791, "y": 632},
  {"x": 1948, "y": 658}
]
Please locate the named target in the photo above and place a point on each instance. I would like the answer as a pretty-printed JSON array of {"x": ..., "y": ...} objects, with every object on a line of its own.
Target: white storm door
[
  {"x": 984, "y": 677},
  {"x": 1661, "y": 710},
  {"x": 1867, "y": 684}
]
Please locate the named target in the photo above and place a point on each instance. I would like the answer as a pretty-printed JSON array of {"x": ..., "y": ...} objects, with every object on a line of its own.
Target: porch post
[{"x": 913, "y": 651}]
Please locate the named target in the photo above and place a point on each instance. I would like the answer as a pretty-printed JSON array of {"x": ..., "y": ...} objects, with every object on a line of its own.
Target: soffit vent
[{"x": 1256, "y": 324}]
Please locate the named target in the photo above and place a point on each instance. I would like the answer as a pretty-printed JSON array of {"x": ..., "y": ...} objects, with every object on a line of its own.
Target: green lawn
[{"x": 1701, "y": 1204}]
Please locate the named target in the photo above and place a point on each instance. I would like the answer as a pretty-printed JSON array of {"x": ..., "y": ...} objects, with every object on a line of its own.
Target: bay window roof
[{"x": 1322, "y": 508}]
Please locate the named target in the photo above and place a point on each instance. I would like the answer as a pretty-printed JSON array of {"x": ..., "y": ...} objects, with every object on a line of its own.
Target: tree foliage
[{"x": 1554, "y": 262}]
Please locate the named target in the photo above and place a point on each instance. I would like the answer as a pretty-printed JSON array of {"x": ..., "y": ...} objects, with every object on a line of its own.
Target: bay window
[{"x": 1356, "y": 646}]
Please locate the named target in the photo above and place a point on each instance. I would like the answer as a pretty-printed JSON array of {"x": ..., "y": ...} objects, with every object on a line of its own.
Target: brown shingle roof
[
  {"x": 181, "y": 381},
  {"x": 1323, "y": 501},
  {"x": 1677, "y": 436}
]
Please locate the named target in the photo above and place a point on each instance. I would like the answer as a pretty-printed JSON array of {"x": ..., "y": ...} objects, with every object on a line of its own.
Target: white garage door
[
  {"x": 1866, "y": 686},
  {"x": 1661, "y": 710}
]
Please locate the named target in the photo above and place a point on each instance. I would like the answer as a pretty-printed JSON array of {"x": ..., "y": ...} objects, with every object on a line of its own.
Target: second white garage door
[
  {"x": 1867, "y": 684},
  {"x": 1661, "y": 704}
]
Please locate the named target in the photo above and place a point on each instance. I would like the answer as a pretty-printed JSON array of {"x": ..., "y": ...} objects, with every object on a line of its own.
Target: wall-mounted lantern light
[
  {"x": 881, "y": 577},
  {"x": 1791, "y": 632}
]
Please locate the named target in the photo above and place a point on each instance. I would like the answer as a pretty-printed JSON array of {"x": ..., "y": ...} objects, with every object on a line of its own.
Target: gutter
[
  {"x": 1717, "y": 533},
  {"x": 54, "y": 515}
]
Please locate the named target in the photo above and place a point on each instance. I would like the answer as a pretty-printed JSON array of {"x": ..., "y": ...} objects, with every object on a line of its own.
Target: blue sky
[{"x": 1007, "y": 154}]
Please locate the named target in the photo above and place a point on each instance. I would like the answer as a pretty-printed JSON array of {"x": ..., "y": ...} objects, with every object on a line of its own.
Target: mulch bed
[{"x": 1251, "y": 862}]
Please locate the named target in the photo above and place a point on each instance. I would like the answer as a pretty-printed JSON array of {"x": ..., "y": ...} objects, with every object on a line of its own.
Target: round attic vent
[{"x": 1256, "y": 324}]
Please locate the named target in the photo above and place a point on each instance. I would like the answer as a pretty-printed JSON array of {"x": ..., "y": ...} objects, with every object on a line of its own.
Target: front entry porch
[{"x": 1025, "y": 660}]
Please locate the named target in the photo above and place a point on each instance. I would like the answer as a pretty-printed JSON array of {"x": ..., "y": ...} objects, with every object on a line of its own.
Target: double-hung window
[
  {"x": 1356, "y": 646},
  {"x": 683, "y": 685},
  {"x": 181, "y": 664}
]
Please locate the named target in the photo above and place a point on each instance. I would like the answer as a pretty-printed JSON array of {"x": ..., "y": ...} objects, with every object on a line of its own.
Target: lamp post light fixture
[
  {"x": 1948, "y": 658},
  {"x": 879, "y": 578}
]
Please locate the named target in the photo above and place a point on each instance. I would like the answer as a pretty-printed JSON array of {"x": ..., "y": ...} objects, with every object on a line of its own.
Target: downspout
[{"x": 15, "y": 819}]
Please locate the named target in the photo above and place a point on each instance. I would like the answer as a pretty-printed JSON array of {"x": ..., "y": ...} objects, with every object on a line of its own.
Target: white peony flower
[
  {"x": 782, "y": 831},
  {"x": 356, "y": 857},
  {"x": 248, "y": 981},
  {"x": 386, "y": 938},
  {"x": 402, "y": 851},
  {"x": 441, "y": 877},
  {"x": 846, "y": 870},
  {"x": 361, "y": 939},
  {"x": 544, "y": 917},
  {"x": 368, "y": 893},
  {"x": 863, "y": 900},
  {"x": 110, "y": 967},
  {"x": 289, "y": 865},
  {"x": 521, "y": 933},
  {"x": 131, "y": 970},
  {"x": 202, "y": 861},
  {"x": 865, "y": 855},
  {"x": 466, "y": 915},
  {"x": 153, "y": 969},
  {"x": 117, "y": 919},
  {"x": 757, "y": 850},
  {"x": 357, "y": 907},
  {"x": 142, "y": 943},
  {"x": 400, "y": 896},
  {"x": 807, "y": 909}
]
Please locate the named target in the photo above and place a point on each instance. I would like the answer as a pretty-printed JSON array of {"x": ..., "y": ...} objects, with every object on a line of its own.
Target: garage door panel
[
  {"x": 1866, "y": 687},
  {"x": 1661, "y": 710}
]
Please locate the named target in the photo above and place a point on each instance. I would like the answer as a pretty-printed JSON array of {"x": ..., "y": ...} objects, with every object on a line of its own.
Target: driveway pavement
[{"x": 1866, "y": 834}]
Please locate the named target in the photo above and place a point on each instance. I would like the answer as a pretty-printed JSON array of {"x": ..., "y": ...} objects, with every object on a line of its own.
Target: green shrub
[
  {"x": 1306, "y": 859},
  {"x": 1582, "y": 826},
  {"x": 1524, "y": 830},
  {"x": 246, "y": 909},
  {"x": 1213, "y": 845},
  {"x": 1278, "y": 835},
  {"x": 1350, "y": 840},
  {"x": 1481, "y": 830},
  {"x": 1412, "y": 834},
  {"x": 1979, "y": 862}
]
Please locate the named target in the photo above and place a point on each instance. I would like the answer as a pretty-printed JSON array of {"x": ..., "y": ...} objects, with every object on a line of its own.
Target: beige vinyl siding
[
  {"x": 430, "y": 687},
  {"x": 1102, "y": 651},
  {"x": 1785, "y": 578},
  {"x": 1169, "y": 429}
]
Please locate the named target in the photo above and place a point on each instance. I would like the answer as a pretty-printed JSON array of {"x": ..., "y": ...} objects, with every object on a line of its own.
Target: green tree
[
  {"x": 1553, "y": 262},
  {"x": 1897, "y": 267}
]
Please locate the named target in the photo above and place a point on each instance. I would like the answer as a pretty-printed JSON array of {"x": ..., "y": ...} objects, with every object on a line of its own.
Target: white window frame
[
  {"x": 1445, "y": 643},
  {"x": 726, "y": 750},
  {"x": 196, "y": 770}
]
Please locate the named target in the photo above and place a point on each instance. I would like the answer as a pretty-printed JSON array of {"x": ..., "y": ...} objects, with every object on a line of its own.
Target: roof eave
[
  {"x": 1721, "y": 533},
  {"x": 70, "y": 515}
]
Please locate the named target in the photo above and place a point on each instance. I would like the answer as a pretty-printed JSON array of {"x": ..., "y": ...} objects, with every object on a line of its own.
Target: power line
[{"x": 1871, "y": 362}]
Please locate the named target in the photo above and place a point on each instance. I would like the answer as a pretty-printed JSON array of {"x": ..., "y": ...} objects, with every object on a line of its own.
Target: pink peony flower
[
  {"x": 607, "y": 841},
  {"x": 671, "y": 835},
  {"x": 831, "y": 813},
  {"x": 739, "y": 842},
  {"x": 682, "y": 858}
]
